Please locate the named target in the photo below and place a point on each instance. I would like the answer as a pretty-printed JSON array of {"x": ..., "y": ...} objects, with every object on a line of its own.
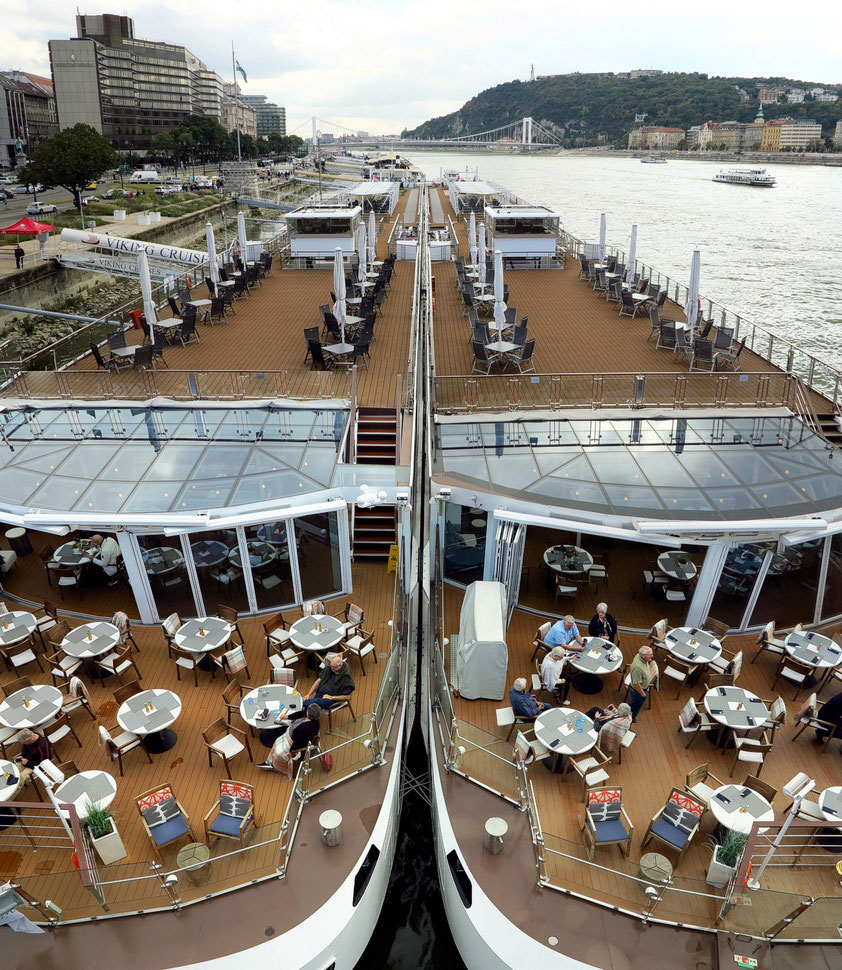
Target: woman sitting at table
[
  {"x": 603, "y": 624},
  {"x": 611, "y": 725},
  {"x": 301, "y": 729}
]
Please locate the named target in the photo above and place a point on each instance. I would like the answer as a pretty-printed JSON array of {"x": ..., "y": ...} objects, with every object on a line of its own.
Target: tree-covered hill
[{"x": 602, "y": 107}]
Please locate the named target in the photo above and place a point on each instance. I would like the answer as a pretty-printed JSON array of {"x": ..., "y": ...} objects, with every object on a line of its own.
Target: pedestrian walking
[{"x": 19, "y": 254}]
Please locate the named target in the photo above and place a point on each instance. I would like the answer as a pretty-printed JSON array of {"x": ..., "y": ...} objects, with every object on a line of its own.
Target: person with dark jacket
[
  {"x": 34, "y": 749},
  {"x": 523, "y": 703},
  {"x": 19, "y": 254},
  {"x": 831, "y": 711},
  {"x": 333, "y": 684},
  {"x": 302, "y": 728},
  {"x": 603, "y": 624}
]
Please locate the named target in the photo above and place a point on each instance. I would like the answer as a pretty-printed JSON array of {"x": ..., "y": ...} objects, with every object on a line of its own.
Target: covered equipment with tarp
[
  {"x": 26, "y": 227},
  {"x": 479, "y": 651}
]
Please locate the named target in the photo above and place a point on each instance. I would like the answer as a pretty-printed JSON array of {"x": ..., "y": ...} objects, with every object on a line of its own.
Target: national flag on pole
[{"x": 239, "y": 68}]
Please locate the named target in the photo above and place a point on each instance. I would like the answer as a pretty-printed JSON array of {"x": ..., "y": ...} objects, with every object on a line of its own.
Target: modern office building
[
  {"x": 27, "y": 115},
  {"x": 271, "y": 118},
  {"x": 126, "y": 88}
]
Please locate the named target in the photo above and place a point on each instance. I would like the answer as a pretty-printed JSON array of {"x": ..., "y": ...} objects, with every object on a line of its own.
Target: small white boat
[
  {"x": 654, "y": 161},
  {"x": 745, "y": 176}
]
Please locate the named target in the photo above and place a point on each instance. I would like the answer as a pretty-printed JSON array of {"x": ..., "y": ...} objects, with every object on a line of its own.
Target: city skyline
[{"x": 381, "y": 67}]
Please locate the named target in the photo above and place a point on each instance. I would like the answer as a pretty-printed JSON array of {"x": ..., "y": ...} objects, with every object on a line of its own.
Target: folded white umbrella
[
  {"x": 632, "y": 254},
  {"x": 472, "y": 237},
  {"x": 362, "y": 250},
  {"x": 691, "y": 307},
  {"x": 241, "y": 235},
  {"x": 213, "y": 266},
  {"x": 339, "y": 290},
  {"x": 499, "y": 305},
  {"x": 146, "y": 292},
  {"x": 480, "y": 260},
  {"x": 602, "y": 238},
  {"x": 372, "y": 238}
]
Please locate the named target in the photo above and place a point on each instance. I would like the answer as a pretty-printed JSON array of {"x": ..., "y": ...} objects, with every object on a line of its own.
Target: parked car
[
  {"x": 6, "y": 194},
  {"x": 167, "y": 190},
  {"x": 26, "y": 189},
  {"x": 40, "y": 208},
  {"x": 7, "y": 180}
]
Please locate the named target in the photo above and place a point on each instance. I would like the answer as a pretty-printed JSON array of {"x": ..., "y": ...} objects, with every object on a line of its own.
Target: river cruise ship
[
  {"x": 697, "y": 493},
  {"x": 746, "y": 176},
  {"x": 199, "y": 514}
]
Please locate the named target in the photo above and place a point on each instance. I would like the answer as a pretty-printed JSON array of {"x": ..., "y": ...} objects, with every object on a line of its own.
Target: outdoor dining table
[
  {"x": 275, "y": 701},
  {"x": 316, "y": 633},
  {"x": 676, "y": 565},
  {"x": 830, "y": 803},
  {"x": 274, "y": 533},
  {"x": 200, "y": 305},
  {"x": 735, "y": 708},
  {"x": 738, "y": 808},
  {"x": 599, "y": 658},
  {"x": 373, "y": 275},
  {"x": 9, "y": 780},
  {"x": 693, "y": 646},
  {"x": 565, "y": 732},
  {"x": 260, "y": 554},
  {"x": 337, "y": 348},
  {"x": 91, "y": 640},
  {"x": 74, "y": 553},
  {"x": 162, "y": 559},
  {"x": 815, "y": 649},
  {"x": 501, "y": 347},
  {"x": 31, "y": 707},
  {"x": 124, "y": 351},
  {"x": 15, "y": 627},
  {"x": 85, "y": 790},
  {"x": 149, "y": 715},
  {"x": 568, "y": 559},
  {"x": 352, "y": 321},
  {"x": 208, "y": 552},
  {"x": 203, "y": 635},
  {"x": 226, "y": 283}
]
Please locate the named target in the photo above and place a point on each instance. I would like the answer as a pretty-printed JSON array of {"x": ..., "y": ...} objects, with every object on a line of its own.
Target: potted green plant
[
  {"x": 103, "y": 834},
  {"x": 725, "y": 860}
]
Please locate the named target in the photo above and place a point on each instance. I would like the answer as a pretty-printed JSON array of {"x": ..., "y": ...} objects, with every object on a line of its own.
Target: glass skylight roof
[
  {"x": 164, "y": 459},
  {"x": 717, "y": 468}
]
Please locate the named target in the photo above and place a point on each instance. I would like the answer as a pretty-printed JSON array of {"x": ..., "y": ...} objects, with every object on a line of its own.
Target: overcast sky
[{"x": 382, "y": 65}]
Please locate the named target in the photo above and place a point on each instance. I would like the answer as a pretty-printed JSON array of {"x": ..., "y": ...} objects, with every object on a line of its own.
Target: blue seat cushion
[
  {"x": 611, "y": 831},
  {"x": 666, "y": 831},
  {"x": 168, "y": 831},
  {"x": 228, "y": 825}
]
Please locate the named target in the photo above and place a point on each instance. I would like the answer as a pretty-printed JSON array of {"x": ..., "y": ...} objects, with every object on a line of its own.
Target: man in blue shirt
[
  {"x": 563, "y": 634},
  {"x": 523, "y": 703}
]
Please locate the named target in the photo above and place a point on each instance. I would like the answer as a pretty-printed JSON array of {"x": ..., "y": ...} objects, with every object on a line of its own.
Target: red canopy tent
[{"x": 26, "y": 227}]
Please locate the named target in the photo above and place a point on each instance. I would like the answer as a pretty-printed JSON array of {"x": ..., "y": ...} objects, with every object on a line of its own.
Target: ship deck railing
[{"x": 777, "y": 350}]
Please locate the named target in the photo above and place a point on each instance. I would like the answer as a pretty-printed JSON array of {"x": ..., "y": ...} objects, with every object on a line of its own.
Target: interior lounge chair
[
  {"x": 163, "y": 817},
  {"x": 606, "y": 821},
  {"x": 676, "y": 824}
]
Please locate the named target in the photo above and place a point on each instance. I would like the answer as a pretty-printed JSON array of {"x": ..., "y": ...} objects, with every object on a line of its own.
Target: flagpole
[{"x": 236, "y": 102}]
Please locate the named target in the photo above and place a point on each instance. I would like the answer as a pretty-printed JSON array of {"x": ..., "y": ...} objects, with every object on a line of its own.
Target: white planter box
[
  {"x": 119, "y": 215},
  {"x": 143, "y": 220},
  {"x": 110, "y": 847},
  {"x": 719, "y": 875}
]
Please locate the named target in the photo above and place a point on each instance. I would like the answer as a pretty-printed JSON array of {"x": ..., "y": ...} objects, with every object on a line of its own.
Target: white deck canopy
[
  {"x": 317, "y": 230},
  {"x": 474, "y": 196},
  {"x": 522, "y": 230},
  {"x": 375, "y": 196}
]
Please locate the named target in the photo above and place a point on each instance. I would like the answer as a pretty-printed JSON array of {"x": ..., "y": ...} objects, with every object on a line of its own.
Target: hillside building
[
  {"x": 837, "y": 135},
  {"x": 769, "y": 95}
]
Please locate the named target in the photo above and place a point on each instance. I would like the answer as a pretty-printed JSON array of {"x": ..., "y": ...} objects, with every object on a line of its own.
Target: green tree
[{"x": 72, "y": 158}]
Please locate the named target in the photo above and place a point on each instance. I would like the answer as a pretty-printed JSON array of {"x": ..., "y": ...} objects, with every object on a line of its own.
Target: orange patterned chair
[
  {"x": 677, "y": 822},
  {"x": 234, "y": 811},
  {"x": 606, "y": 821},
  {"x": 163, "y": 817}
]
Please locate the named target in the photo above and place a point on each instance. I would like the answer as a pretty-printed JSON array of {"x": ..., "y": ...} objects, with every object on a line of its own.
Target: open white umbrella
[
  {"x": 339, "y": 290},
  {"x": 372, "y": 237},
  {"x": 241, "y": 235},
  {"x": 691, "y": 307},
  {"x": 213, "y": 266},
  {"x": 362, "y": 251},
  {"x": 146, "y": 292},
  {"x": 632, "y": 253},
  {"x": 480, "y": 260},
  {"x": 602, "y": 238},
  {"x": 472, "y": 238},
  {"x": 499, "y": 305}
]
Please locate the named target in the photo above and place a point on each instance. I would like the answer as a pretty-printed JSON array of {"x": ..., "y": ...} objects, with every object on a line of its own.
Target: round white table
[
  {"x": 277, "y": 700},
  {"x": 735, "y": 708},
  {"x": 91, "y": 640},
  {"x": 31, "y": 707},
  {"x": 693, "y": 646},
  {"x": 273, "y": 533},
  {"x": 677, "y": 566},
  {"x": 85, "y": 790},
  {"x": 565, "y": 731},
  {"x": 815, "y": 649},
  {"x": 260, "y": 554},
  {"x": 738, "y": 808},
  {"x": 74, "y": 553},
  {"x": 161, "y": 560},
  {"x": 15, "y": 627},
  {"x": 203, "y": 635},
  {"x": 568, "y": 559},
  {"x": 149, "y": 715},
  {"x": 305, "y": 636},
  {"x": 9, "y": 779},
  {"x": 599, "y": 658},
  {"x": 830, "y": 803}
]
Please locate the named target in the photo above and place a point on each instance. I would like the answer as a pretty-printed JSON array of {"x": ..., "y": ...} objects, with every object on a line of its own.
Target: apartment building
[
  {"x": 655, "y": 136},
  {"x": 127, "y": 88},
  {"x": 236, "y": 115},
  {"x": 271, "y": 118},
  {"x": 27, "y": 115}
]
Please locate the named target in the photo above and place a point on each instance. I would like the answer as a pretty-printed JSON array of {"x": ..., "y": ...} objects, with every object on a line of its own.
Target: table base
[
  {"x": 205, "y": 663},
  {"x": 715, "y": 737},
  {"x": 587, "y": 683},
  {"x": 159, "y": 741},
  {"x": 268, "y": 736}
]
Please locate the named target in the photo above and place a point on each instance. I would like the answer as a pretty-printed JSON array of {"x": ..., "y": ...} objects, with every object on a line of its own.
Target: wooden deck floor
[
  {"x": 185, "y": 766},
  {"x": 655, "y": 763},
  {"x": 265, "y": 334}
]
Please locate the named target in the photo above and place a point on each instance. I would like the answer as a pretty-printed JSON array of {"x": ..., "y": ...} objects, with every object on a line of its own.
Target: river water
[{"x": 772, "y": 255}]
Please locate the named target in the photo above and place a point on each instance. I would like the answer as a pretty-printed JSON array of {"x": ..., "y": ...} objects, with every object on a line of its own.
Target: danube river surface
[{"x": 772, "y": 255}]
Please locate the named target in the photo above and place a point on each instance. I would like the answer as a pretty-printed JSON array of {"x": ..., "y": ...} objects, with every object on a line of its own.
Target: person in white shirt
[
  {"x": 551, "y": 667},
  {"x": 108, "y": 552}
]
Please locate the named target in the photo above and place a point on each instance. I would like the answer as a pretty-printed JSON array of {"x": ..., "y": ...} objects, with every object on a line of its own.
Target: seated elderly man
[
  {"x": 523, "y": 703},
  {"x": 564, "y": 633},
  {"x": 104, "y": 564},
  {"x": 551, "y": 667},
  {"x": 333, "y": 684}
]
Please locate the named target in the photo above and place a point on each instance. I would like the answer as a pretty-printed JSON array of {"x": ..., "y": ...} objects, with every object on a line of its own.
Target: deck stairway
[
  {"x": 828, "y": 428},
  {"x": 377, "y": 439}
]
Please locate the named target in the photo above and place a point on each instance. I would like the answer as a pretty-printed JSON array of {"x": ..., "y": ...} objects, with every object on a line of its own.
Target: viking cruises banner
[
  {"x": 131, "y": 247},
  {"x": 115, "y": 266}
]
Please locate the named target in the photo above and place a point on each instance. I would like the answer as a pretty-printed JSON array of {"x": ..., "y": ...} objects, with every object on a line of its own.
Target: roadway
[{"x": 15, "y": 207}]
